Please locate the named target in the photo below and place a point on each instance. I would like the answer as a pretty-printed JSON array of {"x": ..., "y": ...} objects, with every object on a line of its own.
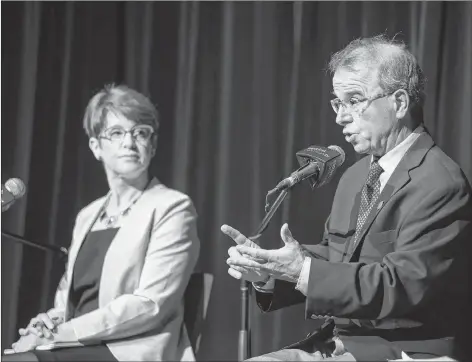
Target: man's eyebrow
[{"x": 349, "y": 93}]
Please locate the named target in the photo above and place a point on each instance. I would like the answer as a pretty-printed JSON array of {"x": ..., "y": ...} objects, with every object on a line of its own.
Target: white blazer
[{"x": 144, "y": 276}]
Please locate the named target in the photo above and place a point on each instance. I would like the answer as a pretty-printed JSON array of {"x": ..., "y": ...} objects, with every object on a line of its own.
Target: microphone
[
  {"x": 318, "y": 165},
  {"x": 12, "y": 190}
]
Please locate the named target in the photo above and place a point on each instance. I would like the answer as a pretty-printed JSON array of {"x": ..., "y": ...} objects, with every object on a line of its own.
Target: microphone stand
[
  {"x": 61, "y": 250},
  {"x": 244, "y": 341}
]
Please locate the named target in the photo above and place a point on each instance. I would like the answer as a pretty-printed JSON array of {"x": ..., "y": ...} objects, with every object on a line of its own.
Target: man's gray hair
[{"x": 397, "y": 66}]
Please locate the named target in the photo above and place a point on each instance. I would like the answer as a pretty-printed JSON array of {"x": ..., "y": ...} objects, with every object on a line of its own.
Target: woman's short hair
[
  {"x": 397, "y": 66},
  {"x": 120, "y": 100}
]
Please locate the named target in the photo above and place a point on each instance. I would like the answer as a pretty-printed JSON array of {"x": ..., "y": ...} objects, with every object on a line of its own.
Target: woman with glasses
[{"x": 132, "y": 252}]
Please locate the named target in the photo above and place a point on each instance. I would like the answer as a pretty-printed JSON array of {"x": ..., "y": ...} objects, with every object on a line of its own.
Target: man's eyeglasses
[
  {"x": 355, "y": 104},
  {"x": 141, "y": 133}
]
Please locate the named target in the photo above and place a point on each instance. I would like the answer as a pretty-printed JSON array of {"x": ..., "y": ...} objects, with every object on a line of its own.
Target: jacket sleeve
[
  {"x": 59, "y": 299},
  {"x": 284, "y": 295},
  {"x": 429, "y": 240},
  {"x": 170, "y": 259}
]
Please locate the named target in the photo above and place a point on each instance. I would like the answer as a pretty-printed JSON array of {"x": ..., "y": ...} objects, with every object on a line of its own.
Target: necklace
[{"x": 110, "y": 221}]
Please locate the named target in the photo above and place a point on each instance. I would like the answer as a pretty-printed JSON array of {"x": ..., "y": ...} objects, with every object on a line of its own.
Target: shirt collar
[{"x": 392, "y": 158}]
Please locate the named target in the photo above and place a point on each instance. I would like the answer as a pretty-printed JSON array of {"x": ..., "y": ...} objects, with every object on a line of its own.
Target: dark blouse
[
  {"x": 83, "y": 297},
  {"x": 88, "y": 270}
]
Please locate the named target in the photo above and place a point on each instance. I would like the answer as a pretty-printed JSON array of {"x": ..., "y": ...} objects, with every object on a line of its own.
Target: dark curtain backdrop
[{"x": 241, "y": 86}]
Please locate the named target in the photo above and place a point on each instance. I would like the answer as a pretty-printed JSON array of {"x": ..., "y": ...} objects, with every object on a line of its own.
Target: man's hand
[
  {"x": 237, "y": 271},
  {"x": 284, "y": 264}
]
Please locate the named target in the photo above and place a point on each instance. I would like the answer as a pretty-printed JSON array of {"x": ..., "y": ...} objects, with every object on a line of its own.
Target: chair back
[{"x": 196, "y": 299}]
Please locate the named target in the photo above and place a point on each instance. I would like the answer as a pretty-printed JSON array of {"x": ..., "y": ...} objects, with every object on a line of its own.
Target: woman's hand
[
  {"x": 29, "y": 342},
  {"x": 41, "y": 326}
]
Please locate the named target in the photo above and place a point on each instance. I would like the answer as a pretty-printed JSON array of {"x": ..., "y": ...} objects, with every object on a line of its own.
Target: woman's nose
[{"x": 128, "y": 140}]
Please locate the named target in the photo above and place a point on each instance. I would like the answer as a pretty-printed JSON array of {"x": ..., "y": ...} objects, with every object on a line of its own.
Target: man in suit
[{"x": 387, "y": 273}]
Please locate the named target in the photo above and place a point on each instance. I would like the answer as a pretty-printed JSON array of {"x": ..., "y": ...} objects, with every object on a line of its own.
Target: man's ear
[
  {"x": 94, "y": 146},
  {"x": 402, "y": 103}
]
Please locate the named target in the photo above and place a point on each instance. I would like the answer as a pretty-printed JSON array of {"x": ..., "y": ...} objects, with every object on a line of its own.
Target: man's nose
[{"x": 343, "y": 117}]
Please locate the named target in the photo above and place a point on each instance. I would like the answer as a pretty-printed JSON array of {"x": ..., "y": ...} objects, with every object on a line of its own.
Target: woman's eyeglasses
[{"x": 140, "y": 133}]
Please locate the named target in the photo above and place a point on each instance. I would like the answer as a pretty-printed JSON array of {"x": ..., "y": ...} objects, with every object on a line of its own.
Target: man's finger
[
  {"x": 241, "y": 261},
  {"x": 260, "y": 254},
  {"x": 257, "y": 260},
  {"x": 245, "y": 263},
  {"x": 233, "y": 252},
  {"x": 22, "y": 332},
  {"x": 240, "y": 269},
  {"x": 252, "y": 244},
  {"x": 234, "y": 273},
  {"x": 286, "y": 234},
  {"x": 234, "y": 234}
]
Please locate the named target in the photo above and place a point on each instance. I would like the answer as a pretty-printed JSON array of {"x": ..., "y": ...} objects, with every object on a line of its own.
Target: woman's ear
[
  {"x": 94, "y": 146},
  {"x": 154, "y": 145},
  {"x": 402, "y": 103}
]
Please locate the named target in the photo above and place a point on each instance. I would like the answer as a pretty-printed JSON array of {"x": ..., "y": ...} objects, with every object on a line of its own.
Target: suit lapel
[
  {"x": 399, "y": 178},
  {"x": 345, "y": 208}
]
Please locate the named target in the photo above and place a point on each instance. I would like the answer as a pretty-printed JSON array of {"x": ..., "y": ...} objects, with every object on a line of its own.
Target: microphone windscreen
[
  {"x": 327, "y": 158},
  {"x": 341, "y": 152}
]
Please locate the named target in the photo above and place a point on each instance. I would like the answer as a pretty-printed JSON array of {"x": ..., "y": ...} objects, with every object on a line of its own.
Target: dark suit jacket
[{"x": 401, "y": 286}]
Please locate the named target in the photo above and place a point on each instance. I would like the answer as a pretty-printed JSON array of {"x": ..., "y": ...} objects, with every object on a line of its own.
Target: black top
[{"x": 88, "y": 266}]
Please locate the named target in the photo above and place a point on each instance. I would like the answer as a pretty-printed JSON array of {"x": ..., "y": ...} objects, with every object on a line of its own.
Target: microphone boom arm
[
  {"x": 244, "y": 339},
  {"x": 265, "y": 222},
  {"x": 63, "y": 251}
]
